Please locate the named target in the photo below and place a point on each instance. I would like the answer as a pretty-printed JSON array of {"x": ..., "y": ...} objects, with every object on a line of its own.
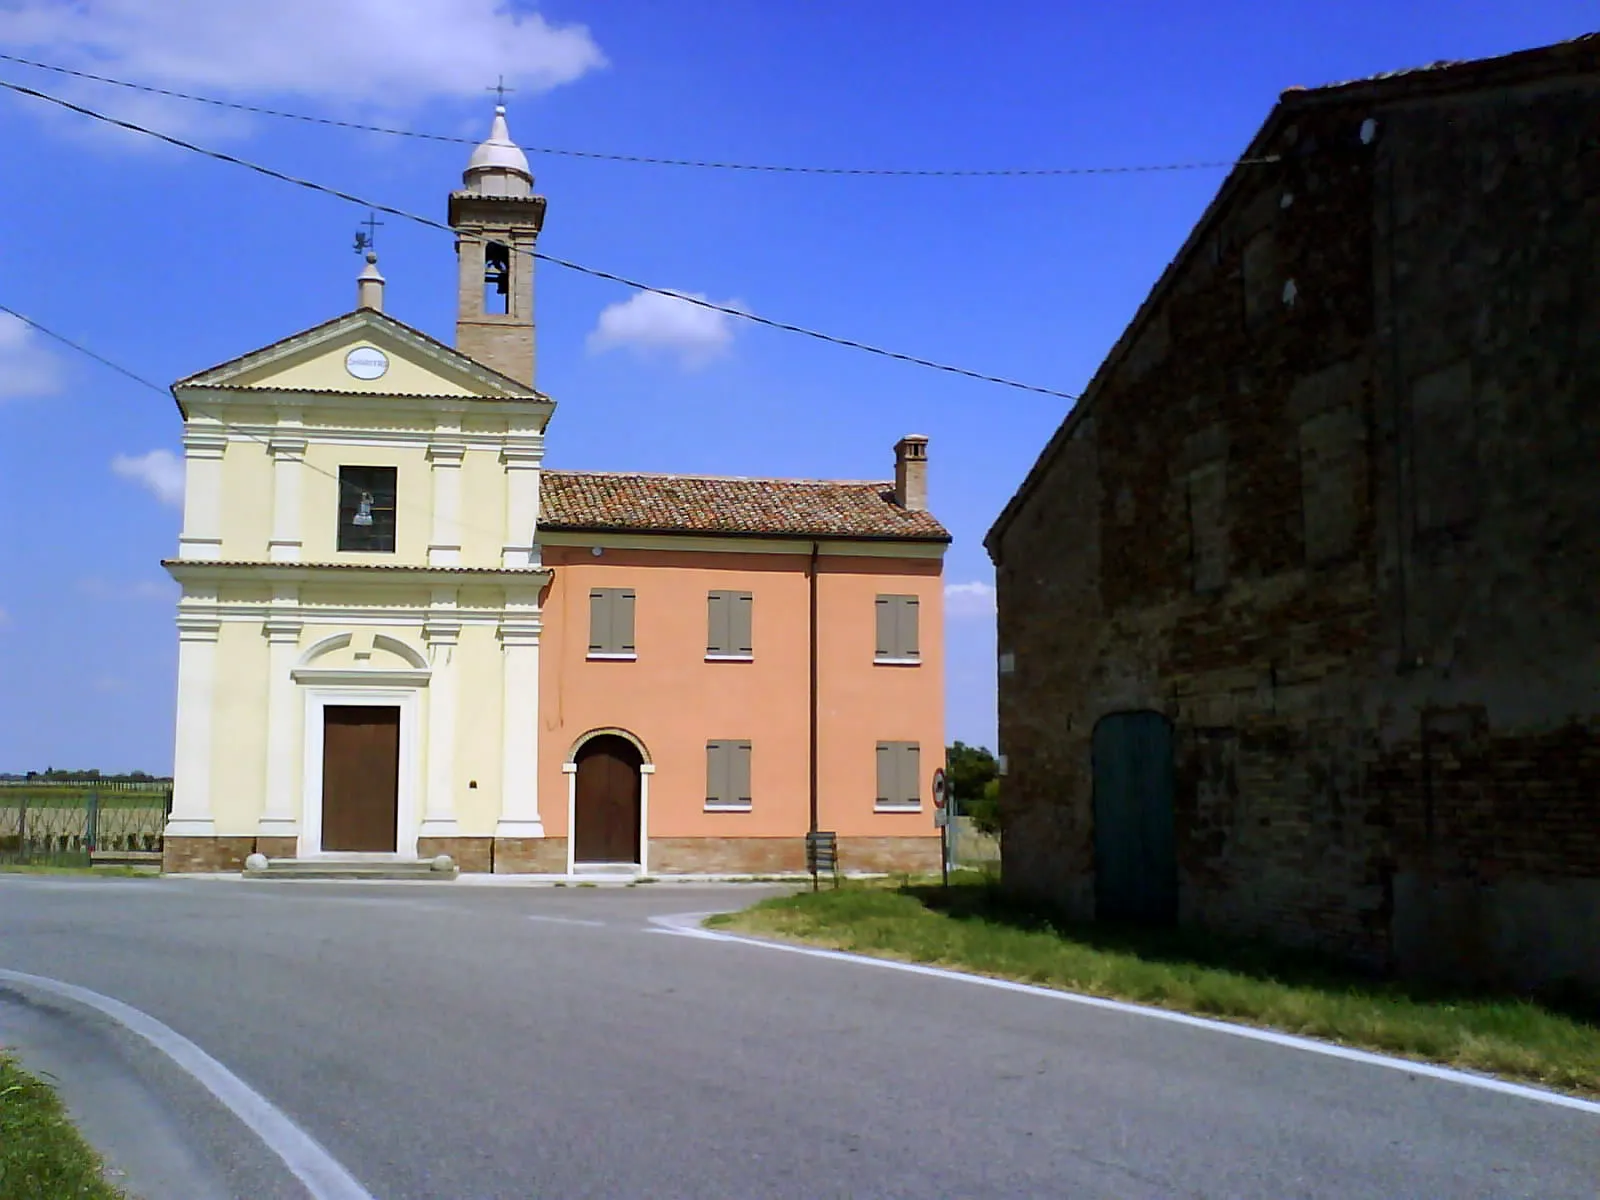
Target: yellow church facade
[{"x": 365, "y": 595}]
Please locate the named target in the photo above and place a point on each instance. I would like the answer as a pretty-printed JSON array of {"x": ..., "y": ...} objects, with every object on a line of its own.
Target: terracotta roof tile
[{"x": 639, "y": 503}]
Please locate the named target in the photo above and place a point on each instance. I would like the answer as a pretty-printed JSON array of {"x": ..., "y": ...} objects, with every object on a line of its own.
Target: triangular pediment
[{"x": 361, "y": 353}]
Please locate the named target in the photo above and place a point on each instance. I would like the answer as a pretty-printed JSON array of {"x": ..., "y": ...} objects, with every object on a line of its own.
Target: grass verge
[
  {"x": 97, "y": 872},
  {"x": 974, "y": 928},
  {"x": 41, "y": 1153}
]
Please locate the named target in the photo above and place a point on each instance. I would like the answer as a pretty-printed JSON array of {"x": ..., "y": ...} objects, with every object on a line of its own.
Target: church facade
[{"x": 401, "y": 636}]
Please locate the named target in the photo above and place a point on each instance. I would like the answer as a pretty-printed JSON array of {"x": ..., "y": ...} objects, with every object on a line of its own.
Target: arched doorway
[
  {"x": 605, "y": 811},
  {"x": 1135, "y": 844}
]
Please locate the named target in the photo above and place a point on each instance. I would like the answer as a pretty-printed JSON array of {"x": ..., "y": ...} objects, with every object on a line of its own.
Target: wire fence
[{"x": 73, "y": 822}]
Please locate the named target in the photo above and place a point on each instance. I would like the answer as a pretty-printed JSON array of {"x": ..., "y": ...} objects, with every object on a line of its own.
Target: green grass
[
  {"x": 111, "y": 872},
  {"x": 41, "y": 1153},
  {"x": 974, "y": 928}
]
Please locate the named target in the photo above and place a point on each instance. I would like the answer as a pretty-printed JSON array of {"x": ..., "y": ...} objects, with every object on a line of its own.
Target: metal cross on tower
[
  {"x": 369, "y": 239},
  {"x": 500, "y": 90}
]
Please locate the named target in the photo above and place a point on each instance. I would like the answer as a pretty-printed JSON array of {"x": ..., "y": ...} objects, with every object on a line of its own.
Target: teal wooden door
[{"x": 1135, "y": 844}]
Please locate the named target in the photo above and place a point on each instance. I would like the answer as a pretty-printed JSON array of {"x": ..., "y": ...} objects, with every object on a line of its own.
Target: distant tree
[{"x": 973, "y": 776}]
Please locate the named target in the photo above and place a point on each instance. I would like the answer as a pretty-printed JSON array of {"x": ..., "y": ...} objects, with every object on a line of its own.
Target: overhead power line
[
  {"x": 644, "y": 159},
  {"x": 240, "y": 430},
  {"x": 593, "y": 272}
]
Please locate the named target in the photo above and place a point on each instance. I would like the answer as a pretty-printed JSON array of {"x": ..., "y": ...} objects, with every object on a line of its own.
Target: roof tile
[{"x": 640, "y": 503}]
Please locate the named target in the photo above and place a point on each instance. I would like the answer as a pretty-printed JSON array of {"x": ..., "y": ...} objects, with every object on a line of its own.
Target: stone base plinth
[
  {"x": 530, "y": 856},
  {"x": 202, "y": 855},
  {"x": 473, "y": 855},
  {"x": 787, "y": 855}
]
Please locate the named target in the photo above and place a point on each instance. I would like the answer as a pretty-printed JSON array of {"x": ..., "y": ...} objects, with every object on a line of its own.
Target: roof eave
[{"x": 822, "y": 535}]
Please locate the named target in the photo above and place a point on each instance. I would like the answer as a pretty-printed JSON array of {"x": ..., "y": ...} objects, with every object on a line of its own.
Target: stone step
[{"x": 332, "y": 868}]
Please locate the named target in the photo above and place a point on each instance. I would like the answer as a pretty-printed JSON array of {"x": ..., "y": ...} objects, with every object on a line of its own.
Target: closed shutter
[
  {"x": 622, "y": 622},
  {"x": 599, "y": 620},
  {"x": 886, "y": 627},
  {"x": 718, "y": 637},
  {"x": 716, "y": 774},
  {"x": 910, "y": 774},
  {"x": 739, "y": 772},
  {"x": 740, "y": 622},
  {"x": 907, "y": 642},
  {"x": 887, "y": 765}
]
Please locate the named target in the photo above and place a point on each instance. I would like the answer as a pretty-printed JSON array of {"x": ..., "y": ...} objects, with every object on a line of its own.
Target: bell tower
[{"x": 497, "y": 219}]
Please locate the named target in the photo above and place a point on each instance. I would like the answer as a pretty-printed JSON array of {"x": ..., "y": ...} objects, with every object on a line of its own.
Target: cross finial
[
  {"x": 500, "y": 90},
  {"x": 368, "y": 240}
]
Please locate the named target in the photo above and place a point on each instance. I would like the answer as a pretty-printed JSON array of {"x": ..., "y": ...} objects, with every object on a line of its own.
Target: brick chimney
[{"x": 911, "y": 473}]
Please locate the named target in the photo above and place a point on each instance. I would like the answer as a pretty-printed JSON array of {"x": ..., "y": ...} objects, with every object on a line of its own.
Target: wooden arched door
[{"x": 606, "y": 802}]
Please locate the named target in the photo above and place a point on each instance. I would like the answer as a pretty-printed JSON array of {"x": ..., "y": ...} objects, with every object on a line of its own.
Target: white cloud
[
  {"x": 27, "y": 368},
  {"x": 160, "y": 472},
  {"x": 975, "y": 599},
  {"x": 97, "y": 588},
  {"x": 383, "y": 55},
  {"x": 650, "y": 322}
]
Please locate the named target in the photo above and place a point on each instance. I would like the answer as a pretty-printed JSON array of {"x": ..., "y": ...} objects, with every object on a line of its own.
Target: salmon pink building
[{"x": 401, "y": 636}]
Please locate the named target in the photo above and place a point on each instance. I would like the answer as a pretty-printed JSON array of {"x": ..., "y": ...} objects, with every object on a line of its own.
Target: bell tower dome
[{"x": 497, "y": 219}]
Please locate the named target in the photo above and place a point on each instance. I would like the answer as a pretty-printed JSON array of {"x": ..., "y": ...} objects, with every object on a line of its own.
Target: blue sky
[{"x": 167, "y": 263}]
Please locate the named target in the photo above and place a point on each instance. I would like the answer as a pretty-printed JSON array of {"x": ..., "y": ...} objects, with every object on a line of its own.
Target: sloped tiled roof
[{"x": 638, "y": 503}]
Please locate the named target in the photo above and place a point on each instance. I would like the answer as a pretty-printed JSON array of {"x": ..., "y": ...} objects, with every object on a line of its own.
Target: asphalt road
[{"x": 441, "y": 1040}]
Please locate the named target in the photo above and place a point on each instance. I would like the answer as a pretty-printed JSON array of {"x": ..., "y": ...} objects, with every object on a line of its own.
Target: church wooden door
[
  {"x": 606, "y": 802},
  {"x": 360, "y": 777}
]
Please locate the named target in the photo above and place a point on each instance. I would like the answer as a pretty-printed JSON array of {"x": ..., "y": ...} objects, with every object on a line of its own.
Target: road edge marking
[
  {"x": 688, "y": 925},
  {"x": 307, "y": 1160}
]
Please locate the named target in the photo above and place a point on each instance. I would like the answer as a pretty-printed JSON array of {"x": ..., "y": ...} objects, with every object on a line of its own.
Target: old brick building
[{"x": 1298, "y": 608}]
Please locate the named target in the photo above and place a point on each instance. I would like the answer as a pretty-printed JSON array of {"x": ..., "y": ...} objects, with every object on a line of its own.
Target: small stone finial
[{"x": 369, "y": 285}]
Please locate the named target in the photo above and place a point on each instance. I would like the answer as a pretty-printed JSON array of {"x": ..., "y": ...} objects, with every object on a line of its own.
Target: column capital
[
  {"x": 290, "y": 447},
  {"x": 523, "y": 454},
  {"x": 446, "y": 454},
  {"x": 438, "y": 631},
  {"x": 280, "y": 629},
  {"x": 198, "y": 627},
  {"x": 204, "y": 443},
  {"x": 523, "y": 631}
]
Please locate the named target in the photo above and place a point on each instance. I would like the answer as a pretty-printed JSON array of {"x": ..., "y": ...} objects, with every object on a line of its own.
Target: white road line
[
  {"x": 688, "y": 925},
  {"x": 312, "y": 1165},
  {"x": 562, "y": 920}
]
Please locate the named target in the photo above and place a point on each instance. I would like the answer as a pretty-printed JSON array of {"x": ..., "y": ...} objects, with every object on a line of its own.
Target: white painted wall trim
[
  {"x": 356, "y": 677},
  {"x": 570, "y": 770},
  {"x": 408, "y": 700}
]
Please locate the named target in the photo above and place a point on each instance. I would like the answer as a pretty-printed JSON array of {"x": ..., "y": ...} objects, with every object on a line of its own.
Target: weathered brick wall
[{"x": 1337, "y": 480}]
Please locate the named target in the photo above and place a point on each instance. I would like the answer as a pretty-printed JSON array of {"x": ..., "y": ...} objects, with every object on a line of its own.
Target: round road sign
[{"x": 938, "y": 788}]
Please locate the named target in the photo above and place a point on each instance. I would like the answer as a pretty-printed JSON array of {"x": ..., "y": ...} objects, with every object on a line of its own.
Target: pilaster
[
  {"x": 522, "y": 458},
  {"x": 203, "y": 446},
  {"x": 445, "y": 454},
  {"x": 442, "y": 633},
  {"x": 191, "y": 814},
  {"x": 279, "y": 816},
  {"x": 287, "y": 446},
  {"x": 519, "y": 773}
]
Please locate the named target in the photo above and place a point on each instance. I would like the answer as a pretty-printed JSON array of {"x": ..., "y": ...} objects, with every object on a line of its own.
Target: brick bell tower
[{"x": 497, "y": 219}]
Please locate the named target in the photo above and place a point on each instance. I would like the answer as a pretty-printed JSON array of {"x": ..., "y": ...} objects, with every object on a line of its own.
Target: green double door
[{"x": 1135, "y": 843}]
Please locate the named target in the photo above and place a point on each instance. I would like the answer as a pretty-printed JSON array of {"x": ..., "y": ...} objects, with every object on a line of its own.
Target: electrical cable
[{"x": 649, "y": 160}]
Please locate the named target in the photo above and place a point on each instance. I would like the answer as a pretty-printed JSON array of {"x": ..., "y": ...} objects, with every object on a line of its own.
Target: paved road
[{"x": 446, "y": 1041}]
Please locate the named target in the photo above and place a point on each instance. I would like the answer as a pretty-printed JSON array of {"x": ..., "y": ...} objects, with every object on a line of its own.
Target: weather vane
[
  {"x": 368, "y": 240},
  {"x": 500, "y": 90}
]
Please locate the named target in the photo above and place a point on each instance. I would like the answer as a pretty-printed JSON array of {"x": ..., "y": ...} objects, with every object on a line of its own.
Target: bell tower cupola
[{"x": 497, "y": 219}]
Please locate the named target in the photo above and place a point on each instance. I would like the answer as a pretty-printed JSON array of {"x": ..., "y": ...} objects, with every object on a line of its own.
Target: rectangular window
[
  {"x": 897, "y": 630},
  {"x": 366, "y": 509},
  {"x": 728, "y": 625},
  {"x": 728, "y": 774},
  {"x": 611, "y": 623},
  {"x": 899, "y": 775}
]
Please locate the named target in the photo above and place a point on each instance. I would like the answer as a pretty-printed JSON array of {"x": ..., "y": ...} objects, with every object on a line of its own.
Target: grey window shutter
[
  {"x": 622, "y": 621},
  {"x": 740, "y": 612},
  {"x": 717, "y": 640},
  {"x": 599, "y": 621},
  {"x": 886, "y": 625},
  {"x": 911, "y": 778},
  {"x": 715, "y": 774},
  {"x": 886, "y": 772},
  {"x": 739, "y": 791},
  {"x": 909, "y": 645}
]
